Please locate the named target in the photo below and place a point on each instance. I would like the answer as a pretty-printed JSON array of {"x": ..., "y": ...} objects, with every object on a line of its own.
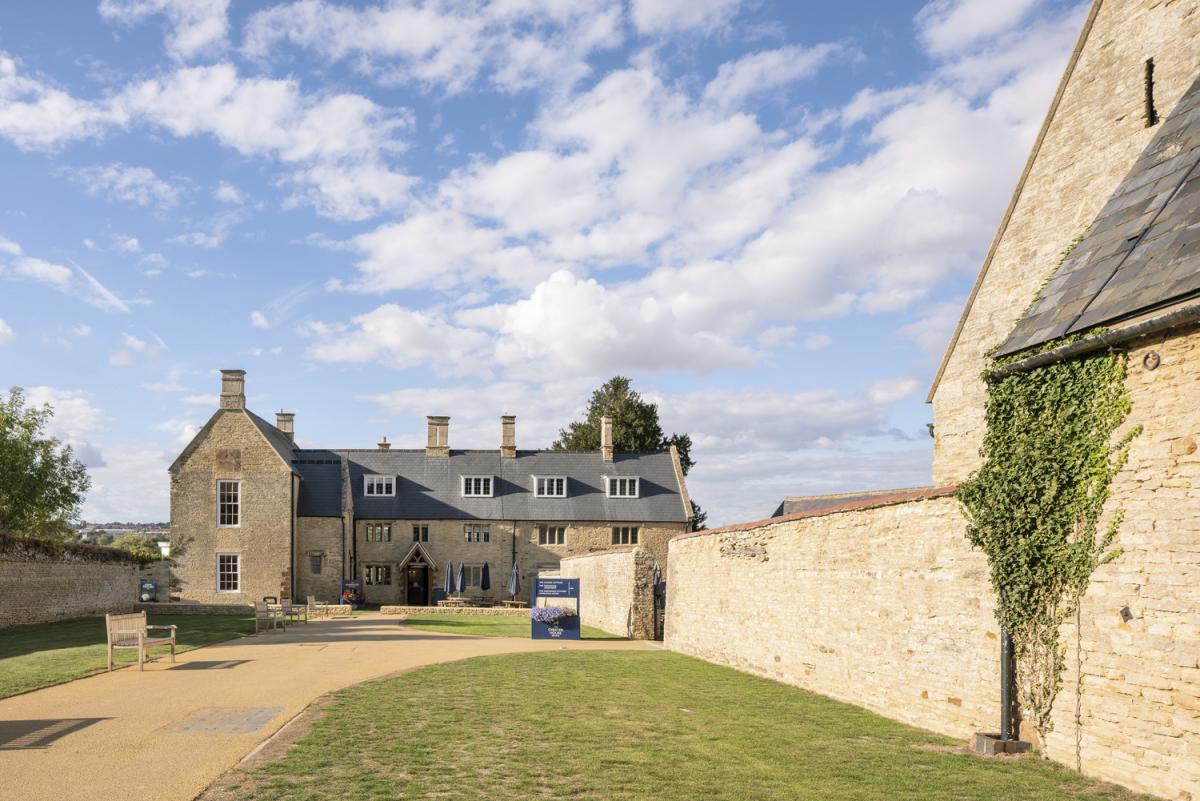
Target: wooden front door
[{"x": 416, "y": 581}]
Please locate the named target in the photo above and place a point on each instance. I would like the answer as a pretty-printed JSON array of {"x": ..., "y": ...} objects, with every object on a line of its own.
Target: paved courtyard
[{"x": 170, "y": 731}]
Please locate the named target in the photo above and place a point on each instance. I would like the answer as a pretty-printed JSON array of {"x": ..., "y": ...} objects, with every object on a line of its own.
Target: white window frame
[
  {"x": 238, "y": 484},
  {"x": 541, "y": 483},
  {"x": 371, "y": 479},
  {"x": 236, "y": 556},
  {"x": 491, "y": 486},
  {"x": 610, "y": 482},
  {"x": 472, "y": 575}
]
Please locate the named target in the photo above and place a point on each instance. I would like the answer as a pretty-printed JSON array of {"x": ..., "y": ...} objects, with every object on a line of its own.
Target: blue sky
[{"x": 767, "y": 214}]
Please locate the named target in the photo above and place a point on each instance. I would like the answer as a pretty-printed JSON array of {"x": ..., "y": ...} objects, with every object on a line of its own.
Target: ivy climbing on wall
[{"x": 1050, "y": 454}]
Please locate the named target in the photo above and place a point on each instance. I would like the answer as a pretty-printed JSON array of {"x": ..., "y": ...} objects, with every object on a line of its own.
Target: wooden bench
[{"x": 131, "y": 631}]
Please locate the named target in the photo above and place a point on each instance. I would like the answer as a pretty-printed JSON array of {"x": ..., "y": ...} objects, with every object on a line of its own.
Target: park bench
[
  {"x": 131, "y": 631},
  {"x": 265, "y": 617}
]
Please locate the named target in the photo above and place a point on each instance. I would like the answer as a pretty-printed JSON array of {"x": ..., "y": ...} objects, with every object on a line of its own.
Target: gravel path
[{"x": 168, "y": 732}]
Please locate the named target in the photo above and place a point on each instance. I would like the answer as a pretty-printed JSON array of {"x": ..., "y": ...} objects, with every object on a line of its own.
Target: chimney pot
[
  {"x": 286, "y": 422},
  {"x": 233, "y": 389},
  {"x": 384, "y": 444},
  {"x": 606, "y": 439},
  {"x": 508, "y": 436},
  {"x": 437, "y": 441}
]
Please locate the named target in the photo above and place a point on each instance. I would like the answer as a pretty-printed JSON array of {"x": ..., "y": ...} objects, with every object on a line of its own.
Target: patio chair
[
  {"x": 131, "y": 631},
  {"x": 291, "y": 612},
  {"x": 265, "y": 617}
]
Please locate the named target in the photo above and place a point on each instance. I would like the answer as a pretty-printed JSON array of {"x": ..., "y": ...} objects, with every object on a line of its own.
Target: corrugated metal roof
[
  {"x": 850, "y": 502},
  {"x": 819, "y": 504},
  {"x": 1143, "y": 250},
  {"x": 429, "y": 488}
]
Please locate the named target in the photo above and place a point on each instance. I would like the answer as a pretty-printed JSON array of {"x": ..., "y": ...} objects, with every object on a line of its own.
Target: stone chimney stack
[
  {"x": 384, "y": 445},
  {"x": 233, "y": 389},
  {"x": 438, "y": 441},
  {"x": 508, "y": 436},
  {"x": 606, "y": 442},
  {"x": 286, "y": 422}
]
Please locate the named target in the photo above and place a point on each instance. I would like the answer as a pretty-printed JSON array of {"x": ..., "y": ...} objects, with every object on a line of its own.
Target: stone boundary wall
[
  {"x": 42, "y": 583},
  {"x": 887, "y": 608},
  {"x": 491, "y": 611},
  {"x": 616, "y": 591},
  {"x": 195, "y": 609}
]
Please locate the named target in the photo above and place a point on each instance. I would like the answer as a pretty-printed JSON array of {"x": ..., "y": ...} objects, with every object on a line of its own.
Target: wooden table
[{"x": 512, "y": 603}]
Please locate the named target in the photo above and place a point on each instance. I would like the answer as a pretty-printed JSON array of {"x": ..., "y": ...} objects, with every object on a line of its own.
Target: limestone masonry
[
  {"x": 887, "y": 606},
  {"x": 254, "y": 516}
]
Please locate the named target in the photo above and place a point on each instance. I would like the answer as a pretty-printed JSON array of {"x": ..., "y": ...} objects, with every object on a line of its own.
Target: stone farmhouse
[
  {"x": 254, "y": 515},
  {"x": 897, "y": 606}
]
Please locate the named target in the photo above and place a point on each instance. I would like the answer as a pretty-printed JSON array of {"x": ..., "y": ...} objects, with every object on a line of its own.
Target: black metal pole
[{"x": 1008, "y": 681}]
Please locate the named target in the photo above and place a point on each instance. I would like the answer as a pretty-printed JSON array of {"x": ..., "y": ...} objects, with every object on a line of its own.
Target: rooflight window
[
  {"x": 477, "y": 486},
  {"x": 550, "y": 486},
  {"x": 376, "y": 486},
  {"x": 621, "y": 486}
]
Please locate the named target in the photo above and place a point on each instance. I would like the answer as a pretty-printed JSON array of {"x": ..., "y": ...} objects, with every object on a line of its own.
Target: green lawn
[
  {"x": 616, "y": 726},
  {"x": 470, "y": 625},
  {"x": 38, "y": 656}
]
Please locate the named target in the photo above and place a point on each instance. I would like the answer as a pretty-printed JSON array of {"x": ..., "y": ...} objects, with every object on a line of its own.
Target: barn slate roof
[
  {"x": 429, "y": 487},
  {"x": 1141, "y": 253}
]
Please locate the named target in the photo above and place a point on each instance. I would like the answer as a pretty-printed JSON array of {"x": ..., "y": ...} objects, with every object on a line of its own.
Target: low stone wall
[
  {"x": 492, "y": 611},
  {"x": 616, "y": 591},
  {"x": 887, "y": 608},
  {"x": 195, "y": 609},
  {"x": 42, "y": 584}
]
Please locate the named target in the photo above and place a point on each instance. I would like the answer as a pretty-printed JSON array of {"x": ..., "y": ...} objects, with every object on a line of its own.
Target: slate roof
[
  {"x": 429, "y": 488},
  {"x": 1143, "y": 250},
  {"x": 279, "y": 440},
  {"x": 320, "y": 483}
]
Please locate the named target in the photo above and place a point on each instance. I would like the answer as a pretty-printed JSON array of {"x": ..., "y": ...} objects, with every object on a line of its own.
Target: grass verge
[
  {"x": 622, "y": 726},
  {"x": 51, "y": 653},
  {"x": 469, "y": 625}
]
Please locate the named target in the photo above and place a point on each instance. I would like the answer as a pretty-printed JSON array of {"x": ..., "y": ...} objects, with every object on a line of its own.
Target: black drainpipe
[
  {"x": 292, "y": 538},
  {"x": 1008, "y": 687}
]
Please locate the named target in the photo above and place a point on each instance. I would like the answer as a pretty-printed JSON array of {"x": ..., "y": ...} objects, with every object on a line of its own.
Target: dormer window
[
  {"x": 550, "y": 486},
  {"x": 477, "y": 486},
  {"x": 621, "y": 486},
  {"x": 379, "y": 486}
]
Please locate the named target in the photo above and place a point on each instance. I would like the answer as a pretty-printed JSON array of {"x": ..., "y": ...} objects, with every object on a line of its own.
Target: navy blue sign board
[{"x": 560, "y": 592}]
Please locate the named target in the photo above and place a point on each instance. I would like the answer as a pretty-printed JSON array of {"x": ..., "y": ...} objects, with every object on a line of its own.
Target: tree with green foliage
[
  {"x": 42, "y": 484},
  {"x": 635, "y": 429},
  {"x": 141, "y": 547}
]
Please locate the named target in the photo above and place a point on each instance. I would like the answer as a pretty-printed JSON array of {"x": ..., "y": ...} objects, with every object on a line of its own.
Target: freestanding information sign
[{"x": 551, "y": 594}]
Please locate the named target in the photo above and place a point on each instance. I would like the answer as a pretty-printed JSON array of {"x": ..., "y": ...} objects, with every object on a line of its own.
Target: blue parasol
[
  {"x": 485, "y": 578},
  {"x": 462, "y": 577},
  {"x": 514, "y": 582}
]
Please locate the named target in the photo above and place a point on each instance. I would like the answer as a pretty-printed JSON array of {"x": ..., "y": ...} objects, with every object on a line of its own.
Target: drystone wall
[
  {"x": 39, "y": 585},
  {"x": 886, "y": 608},
  {"x": 890, "y": 609},
  {"x": 616, "y": 591}
]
